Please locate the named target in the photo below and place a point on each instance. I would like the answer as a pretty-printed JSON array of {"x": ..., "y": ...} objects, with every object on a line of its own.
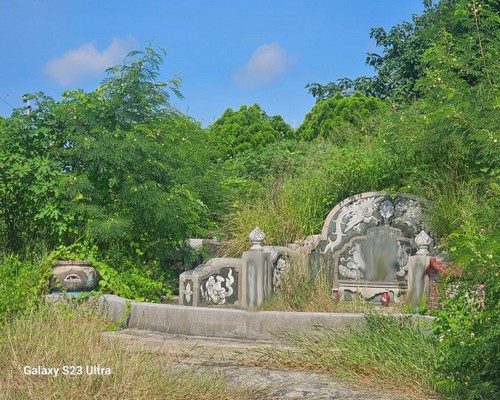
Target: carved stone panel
[
  {"x": 369, "y": 237},
  {"x": 221, "y": 288},
  {"x": 187, "y": 293}
]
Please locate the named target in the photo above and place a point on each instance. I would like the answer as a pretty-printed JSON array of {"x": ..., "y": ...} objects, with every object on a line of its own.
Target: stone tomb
[
  {"x": 371, "y": 243},
  {"x": 367, "y": 241}
]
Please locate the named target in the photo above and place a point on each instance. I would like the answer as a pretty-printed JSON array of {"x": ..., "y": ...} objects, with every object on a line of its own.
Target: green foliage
[
  {"x": 295, "y": 206},
  {"x": 23, "y": 284},
  {"x": 467, "y": 29},
  {"x": 124, "y": 276},
  {"x": 118, "y": 166},
  {"x": 336, "y": 117},
  {"x": 132, "y": 93},
  {"x": 468, "y": 323},
  {"x": 248, "y": 128},
  {"x": 31, "y": 196}
]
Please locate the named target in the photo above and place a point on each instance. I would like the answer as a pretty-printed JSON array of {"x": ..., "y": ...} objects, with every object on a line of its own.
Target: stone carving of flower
[{"x": 215, "y": 291}]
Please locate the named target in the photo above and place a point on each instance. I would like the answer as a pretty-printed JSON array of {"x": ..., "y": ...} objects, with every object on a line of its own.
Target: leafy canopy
[
  {"x": 248, "y": 128},
  {"x": 331, "y": 118}
]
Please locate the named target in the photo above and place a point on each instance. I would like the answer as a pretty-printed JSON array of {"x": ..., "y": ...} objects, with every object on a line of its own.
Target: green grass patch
[{"x": 386, "y": 353}]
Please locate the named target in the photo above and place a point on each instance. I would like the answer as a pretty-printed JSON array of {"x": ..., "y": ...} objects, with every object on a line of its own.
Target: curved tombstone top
[
  {"x": 371, "y": 235},
  {"x": 361, "y": 211}
]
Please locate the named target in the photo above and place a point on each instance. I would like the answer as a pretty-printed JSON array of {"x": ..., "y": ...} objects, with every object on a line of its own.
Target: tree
[
  {"x": 401, "y": 63},
  {"x": 248, "y": 128},
  {"x": 118, "y": 166},
  {"x": 331, "y": 117}
]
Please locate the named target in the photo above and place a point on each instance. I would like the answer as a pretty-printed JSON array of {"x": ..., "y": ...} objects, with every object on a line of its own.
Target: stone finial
[
  {"x": 423, "y": 242},
  {"x": 256, "y": 237}
]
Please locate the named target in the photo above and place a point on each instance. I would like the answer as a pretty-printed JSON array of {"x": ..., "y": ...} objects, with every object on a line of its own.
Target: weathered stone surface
[
  {"x": 369, "y": 237},
  {"x": 74, "y": 276},
  {"x": 227, "y": 357},
  {"x": 214, "y": 283},
  {"x": 256, "y": 280}
]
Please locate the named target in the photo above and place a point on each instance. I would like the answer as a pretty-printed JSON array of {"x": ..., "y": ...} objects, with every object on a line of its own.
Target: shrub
[{"x": 23, "y": 284}]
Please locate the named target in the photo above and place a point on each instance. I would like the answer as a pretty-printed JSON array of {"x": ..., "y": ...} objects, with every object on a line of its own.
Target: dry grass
[
  {"x": 291, "y": 210},
  {"x": 57, "y": 337},
  {"x": 386, "y": 355},
  {"x": 304, "y": 289}
]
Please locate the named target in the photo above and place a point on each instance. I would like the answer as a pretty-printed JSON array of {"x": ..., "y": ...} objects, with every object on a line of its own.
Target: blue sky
[{"x": 226, "y": 52}]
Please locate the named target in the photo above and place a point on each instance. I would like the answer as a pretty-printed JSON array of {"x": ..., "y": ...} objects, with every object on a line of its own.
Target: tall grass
[
  {"x": 453, "y": 205},
  {"x": 386, "y": 353},
  {"x": 296, "y": 206},
  {"x": 55, "y": 337},
  {"x": 309, "y": 289},
  {"x": 23, "y": 282}
]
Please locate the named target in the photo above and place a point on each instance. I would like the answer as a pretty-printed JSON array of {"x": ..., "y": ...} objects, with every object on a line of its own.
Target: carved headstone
[{"x": 369, "y": 237}]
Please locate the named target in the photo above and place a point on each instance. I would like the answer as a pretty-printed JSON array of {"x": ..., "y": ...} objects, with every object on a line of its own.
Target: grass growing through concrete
[
  {"x": 57, "y": 337},
  {"x": 387, "y": 353},
  {"x": 305, "y": 289}
]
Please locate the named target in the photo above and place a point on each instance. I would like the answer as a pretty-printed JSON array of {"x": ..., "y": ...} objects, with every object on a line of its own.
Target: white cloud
[
  {"x": 87, "y": 61},
  {"x": 267, "y": 63}
]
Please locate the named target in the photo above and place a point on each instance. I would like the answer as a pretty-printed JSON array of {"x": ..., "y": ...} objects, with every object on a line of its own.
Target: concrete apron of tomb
[
  {"x": 230, "y": 357},
  {"x": 227, "y": 323}
]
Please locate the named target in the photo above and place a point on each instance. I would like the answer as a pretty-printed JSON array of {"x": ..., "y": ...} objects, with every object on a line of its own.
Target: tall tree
[
  {"x": 334, "y": 117},
  {"x": 248, "y": 128},
  {"x": 119, "y": 165}
]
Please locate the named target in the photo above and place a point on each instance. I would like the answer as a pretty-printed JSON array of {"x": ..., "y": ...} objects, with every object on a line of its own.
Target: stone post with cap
[{"x": 256, "y": 276}]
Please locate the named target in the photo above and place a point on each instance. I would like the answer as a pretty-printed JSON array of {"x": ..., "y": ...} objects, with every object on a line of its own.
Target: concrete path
[{"x": 225, "y": 356}]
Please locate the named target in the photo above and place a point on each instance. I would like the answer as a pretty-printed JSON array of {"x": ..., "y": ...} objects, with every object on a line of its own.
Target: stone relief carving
[
  {"x": 188, "y": 292},
  {"x": 352, "y": 267},
  {"x": 403, "y": 254},
  {"x": 410, "y": 213},
  {"x": 386, "y": 210},
  {"x": 214, "y": 292},
  {"x": 279, "y": 269},
  {"x": 356, "y": 213}
]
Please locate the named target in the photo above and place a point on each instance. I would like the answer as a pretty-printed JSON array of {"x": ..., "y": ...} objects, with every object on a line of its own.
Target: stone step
[{"x": 196, "y": 349}]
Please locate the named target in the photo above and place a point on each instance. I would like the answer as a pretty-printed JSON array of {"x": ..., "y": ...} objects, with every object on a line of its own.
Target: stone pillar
[
  {"x": 256, "y": 276},
  {"x": 418, "y": 283}
]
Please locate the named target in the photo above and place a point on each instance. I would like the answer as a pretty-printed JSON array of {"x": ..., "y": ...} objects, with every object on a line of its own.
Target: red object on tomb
[{"x": 385, "y": 299}]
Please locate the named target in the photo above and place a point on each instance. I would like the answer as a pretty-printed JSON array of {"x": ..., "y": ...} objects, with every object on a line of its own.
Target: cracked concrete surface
[{"x": 224, "y": 356}]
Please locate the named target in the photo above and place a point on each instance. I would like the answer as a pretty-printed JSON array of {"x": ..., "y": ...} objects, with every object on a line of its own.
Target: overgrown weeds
[
  {"x": 387, "y": 353},
  {"x": 309, "y": 289},
  {"x": 56, "y": 337}
]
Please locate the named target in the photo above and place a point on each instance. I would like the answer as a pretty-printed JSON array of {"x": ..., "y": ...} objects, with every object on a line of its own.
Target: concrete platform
[
  {"x": 221, "y": 322},
  {"x": 196, "y": 349},
  {"x": 229, "y": 358}
]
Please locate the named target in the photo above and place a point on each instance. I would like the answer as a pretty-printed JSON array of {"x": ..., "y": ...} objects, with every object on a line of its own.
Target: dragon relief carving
[
  {"x": 356, "y": 213},
  {"x": 214, "y": 292},
  {"x": 402, "y": 257},
  {"x": 410, "y": 213}
]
